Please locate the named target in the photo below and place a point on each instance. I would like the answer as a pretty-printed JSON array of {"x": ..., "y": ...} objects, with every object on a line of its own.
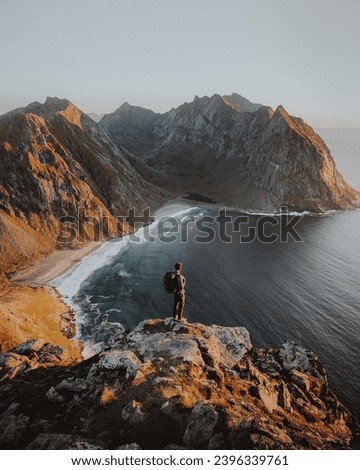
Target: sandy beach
[
  {"x": 36, "y": 312},
  {"x": 29, "y": 308},
  {"x": 56, "y": 264},
  {"x": 53, "y": 265}
]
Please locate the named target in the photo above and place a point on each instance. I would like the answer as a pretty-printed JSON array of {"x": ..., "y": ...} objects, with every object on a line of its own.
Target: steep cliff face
[
  {"x": 55, "y": 161},
  {"x": 170, "y": 385},
  {"x": 238, "y": 153}
]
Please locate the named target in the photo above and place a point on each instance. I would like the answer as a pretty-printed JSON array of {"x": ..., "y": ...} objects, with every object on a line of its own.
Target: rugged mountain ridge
[
  {"x": 171, "y": 385},
  {"x": 55, "y": 161},
  {"x": 236, "y": 152}
]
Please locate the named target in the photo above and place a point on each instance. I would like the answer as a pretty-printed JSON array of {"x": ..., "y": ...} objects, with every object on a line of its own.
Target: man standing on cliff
[{"x": 179, "y": 293}]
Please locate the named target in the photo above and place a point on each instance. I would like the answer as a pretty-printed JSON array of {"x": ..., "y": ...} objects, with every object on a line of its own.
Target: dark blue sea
[{"x": 301, "y": 284}]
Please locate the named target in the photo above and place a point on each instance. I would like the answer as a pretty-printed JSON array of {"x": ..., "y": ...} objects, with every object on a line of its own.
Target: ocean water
[{"x": 306, "y": 291}]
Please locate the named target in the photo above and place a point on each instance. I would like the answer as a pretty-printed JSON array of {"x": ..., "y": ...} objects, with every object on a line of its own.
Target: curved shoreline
[
  {"x": 33, "y": 307},
  {"x": 54, "y": 265},
  {"x": 61, "y": 263}
]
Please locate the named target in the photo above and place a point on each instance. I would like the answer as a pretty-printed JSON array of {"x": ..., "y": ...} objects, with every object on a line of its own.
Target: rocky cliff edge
[{"x": 170, "y": 385}]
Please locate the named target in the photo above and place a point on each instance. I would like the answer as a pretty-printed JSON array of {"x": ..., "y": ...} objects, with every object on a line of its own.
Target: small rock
[
  {"x": 168, "y": 321},
  {"x": 72, "y": 385},
  {"x": 203, "y": 420},
  {"x": 176, "y": 411},
  {"x": 138, "y": 379},
  {"x": 29, "y": 348},
  {"x": 296, "y": 357},
  {"x": 53, "y": 396},
  {"x": 133, "y": 413},
  {"x": 50, "y": 354},
  {"x": 12, "y": 364},
  {"x": 118, "y": 359},
  {"x": 93, "y": 375},
  {"x": 234, "y": 343},
  {"x": 12, "y": 429}
]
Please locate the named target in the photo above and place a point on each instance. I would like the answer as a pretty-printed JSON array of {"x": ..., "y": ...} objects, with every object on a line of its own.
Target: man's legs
[
  {"x": 181, "y": 305},
  {"x": 176, "y": 305}
]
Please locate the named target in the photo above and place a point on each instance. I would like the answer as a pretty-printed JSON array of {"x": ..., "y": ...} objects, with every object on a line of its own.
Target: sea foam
[{"x": 68, "y": 284}]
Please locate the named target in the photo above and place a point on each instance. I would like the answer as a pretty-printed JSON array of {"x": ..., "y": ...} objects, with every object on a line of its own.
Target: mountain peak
[
  {"x": 215, "y": 101},
  {"x": 126, "y": 105},
  {"x": 234, "y": 101},
  {"x": 50, "y": 106},
  {"x": 241, "y": 103},
  {"x": 56, "y": 106},
  {"x": 57, "y": 103},
  {"x": 127, "y": 108}
]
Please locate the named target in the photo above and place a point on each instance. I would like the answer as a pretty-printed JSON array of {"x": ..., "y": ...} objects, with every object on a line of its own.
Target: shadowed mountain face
[
  {"x": 55, "y": 160},
  {"x": 237, "y": 153}
]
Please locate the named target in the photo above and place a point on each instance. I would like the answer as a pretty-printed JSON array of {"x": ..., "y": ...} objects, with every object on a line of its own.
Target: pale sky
[{"x": 303, "y": 54}]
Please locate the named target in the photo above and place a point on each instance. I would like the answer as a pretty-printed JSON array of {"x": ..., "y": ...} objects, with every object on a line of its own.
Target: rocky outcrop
[
  {"x": 170, "y": 385},
  {"x": 236, "y": 152},
  {"x": 58, "y": 167}
]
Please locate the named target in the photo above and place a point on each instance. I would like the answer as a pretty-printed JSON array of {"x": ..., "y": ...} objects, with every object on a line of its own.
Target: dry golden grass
[
  {"x": 27, "y": 313},
  {"x": 107, "y": 396}
]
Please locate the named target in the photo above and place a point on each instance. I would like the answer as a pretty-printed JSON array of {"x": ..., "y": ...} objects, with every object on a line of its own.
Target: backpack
[{"x": 170, "y": 282}]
